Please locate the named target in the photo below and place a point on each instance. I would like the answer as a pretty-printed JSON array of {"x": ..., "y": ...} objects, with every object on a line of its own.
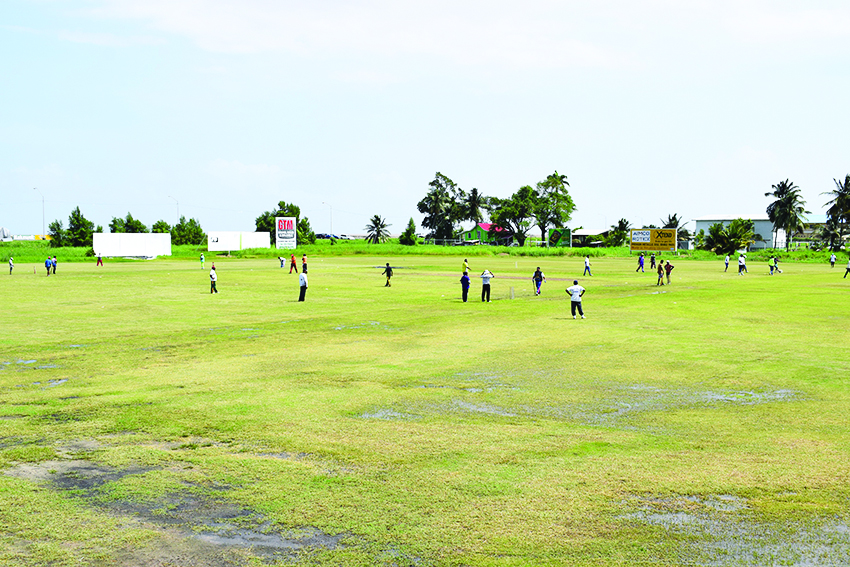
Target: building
[
  {"x": 589, "y": 236},
  {"x": 480, "y": 234},
  {"x": 761, "y": 226}
]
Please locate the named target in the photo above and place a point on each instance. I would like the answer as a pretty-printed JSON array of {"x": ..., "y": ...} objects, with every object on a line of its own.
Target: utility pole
[{"x": 43, "y": 229}]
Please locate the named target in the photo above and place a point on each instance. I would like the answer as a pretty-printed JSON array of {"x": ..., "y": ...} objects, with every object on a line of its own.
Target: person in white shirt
[
  {"x": 486, "y": 276},
  {"x": 832, "y": 260},
  {"x": 576, "y": 291},
  {"x": 302, "y": 281},
  {"x": 213, "y": 279},
  {"x": 11, "y": 264},
  {"x": 847, "y": 271},
  {"x": 587, "y": 266},
  {"x": 727, "y": 262},
  {"x": 742, "y": 265}
]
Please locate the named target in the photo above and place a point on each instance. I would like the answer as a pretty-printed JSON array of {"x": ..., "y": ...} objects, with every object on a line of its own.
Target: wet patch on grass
[
  {"x": 721, "y": 530},
  {"x": 388, "y": 415}
]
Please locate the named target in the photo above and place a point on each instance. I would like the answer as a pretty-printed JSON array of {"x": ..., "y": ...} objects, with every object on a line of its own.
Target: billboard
[
  {"x": 131, "y": 244},
  {"x": 660, "y": 239},
  {"x": 559, "y": 237},
  {"x": 225, "y": 241},
  {"x": 285, "y": 232}
]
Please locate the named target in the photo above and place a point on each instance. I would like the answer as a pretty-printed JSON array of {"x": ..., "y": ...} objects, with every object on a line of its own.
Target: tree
[
  {"x": 57, "y": 234},
  {"x": 513, "y": 215},
  {"x": 475, "y": 202},
  {"x": 443, "y": 207},
  {"x": 673, "y": 221},
  {"x": 116, "y": 225},
  {"x": 553, "y": 205},
  {"x": 839, "y": 206},
  {"x": 161, "y": 227},
  {"x": 80, "y": 229},
  {"x": 187, "y": 232},
  {"x": 408, "y": 237},
  {"x": 134, "y": 225},
  {"x": 830, "y": 235},
  {"x": 265, "y": 222},
  {"x": 376, "y": 230},
  {"x": 619, "y": 233},
  {"x": 787, "y": 211},
  {"x": 739, "y": 234}
]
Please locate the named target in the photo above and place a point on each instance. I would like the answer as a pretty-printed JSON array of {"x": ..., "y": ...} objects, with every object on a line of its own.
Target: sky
[{"x": 218, "y": 109}]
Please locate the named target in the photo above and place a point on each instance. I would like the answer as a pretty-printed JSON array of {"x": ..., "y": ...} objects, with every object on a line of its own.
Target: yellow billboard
[{"x": 661, "y": 239}]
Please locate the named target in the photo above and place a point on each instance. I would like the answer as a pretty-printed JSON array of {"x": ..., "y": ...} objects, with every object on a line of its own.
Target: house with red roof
[{"x": 480, "y": 234}]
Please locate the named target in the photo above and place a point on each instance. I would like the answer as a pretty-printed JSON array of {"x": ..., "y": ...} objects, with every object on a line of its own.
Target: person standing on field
[
  {"x": 464, "y": 285},
  {"x": 48, "y": 264},
  {"x": 741, "y": 265},
  {"x": 11, "y": 264},
  {"x": 53, "y": 263},
  {"x": 486, "y": 276},
  {"x": 640, "y": 263},
  {"x": 202, "y": 260},
  {"x": 304, "y": 263},
  {"x": 586, "y": 266},
  {"x": 660, "y": 271},
  {"x": 847, "y": 271},
  {"x": 213, "y": 279},
  {"x": 538, "y": 278},
  {"x": 576, "y": 291},
  {"x": 388, "y": 271},
  {"x": 832, "y": 260},
  {"x": 465, "y": 265},
  {"x": 302, "y": 281},
  {"x": 293, "y": 265},
  {"x": 652, "y": 261},
  {"x": 668, "y": 267},
  {"x": 99, "y": 259},
  {"x": 727, "y": 262}
]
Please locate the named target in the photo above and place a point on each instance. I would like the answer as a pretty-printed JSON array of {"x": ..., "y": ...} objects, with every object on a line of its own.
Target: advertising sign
[
  {"x": 285, "y": 232},
  {"x": 660, "y": 239}
]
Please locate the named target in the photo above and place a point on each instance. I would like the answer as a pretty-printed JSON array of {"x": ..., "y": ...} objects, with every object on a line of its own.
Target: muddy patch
[{"x": 722, "y": 531}]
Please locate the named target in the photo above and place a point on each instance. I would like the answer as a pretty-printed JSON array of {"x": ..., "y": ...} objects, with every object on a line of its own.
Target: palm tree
[
  {"x": 787, "y": 211},
  {"x": 839, "y": 207},
  {"x": 830, "y": 234},
  {"x": 475, "y": 202},
  {"x": 673, "y": 221},
  {"x": 376, "y": 230}
]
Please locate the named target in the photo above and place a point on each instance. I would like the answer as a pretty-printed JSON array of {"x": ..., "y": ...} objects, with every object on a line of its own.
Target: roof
[
  {"x": 486, "y": 226},
  {"x": 717, "y": 218}
]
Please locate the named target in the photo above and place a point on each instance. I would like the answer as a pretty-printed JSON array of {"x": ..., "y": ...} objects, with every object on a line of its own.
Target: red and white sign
[{"x": 285, "y": 232}]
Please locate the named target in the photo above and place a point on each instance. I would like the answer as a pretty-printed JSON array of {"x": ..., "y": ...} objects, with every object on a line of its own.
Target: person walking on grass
[
  {"x": 11, "y": 265},
  {"x": 652, "y": 261},
  {"x": 388, "y": 271},
  {"x": 742, "y": 265},
  {"x": 668, "y": 267},
  {"x": 660, "y": 271},
  {"x": 464, "y": 285},
  {"x": 203, "y": 260},
  {"x": 213, "y": 279},
  {"x": 465, "y": 265},
  {"x": 586, "y": 266},
  {"x": 486, "y": 276},
  {"x": 832, "y": 260},
  {"x": 48, "y": 264},
  {"x": 538, "y": 278},
  {"x": 293, "y": 265},
  {"x": 576, "y": 291},
  {"x": 53, "y": 264},
  {"x": 770, "y": 265},
  {"x": 302, "y": 282},
  {"x": 640, "y": 263},
  {"x": 847, "y": 271},
  {"x": 727, "y": 263}
]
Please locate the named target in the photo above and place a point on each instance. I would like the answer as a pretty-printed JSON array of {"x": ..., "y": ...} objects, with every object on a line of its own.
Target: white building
[{"x": 761, "y": 226}]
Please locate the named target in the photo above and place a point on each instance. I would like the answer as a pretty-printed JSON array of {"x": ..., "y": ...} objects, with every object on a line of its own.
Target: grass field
[{"x": 145, "y": 421}]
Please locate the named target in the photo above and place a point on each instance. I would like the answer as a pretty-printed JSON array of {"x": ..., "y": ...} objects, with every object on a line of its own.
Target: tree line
[{"x": 80, "y": 231}]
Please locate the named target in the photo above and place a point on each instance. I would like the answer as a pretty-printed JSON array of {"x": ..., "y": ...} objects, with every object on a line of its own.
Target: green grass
[{"x": 425, "y": 430}]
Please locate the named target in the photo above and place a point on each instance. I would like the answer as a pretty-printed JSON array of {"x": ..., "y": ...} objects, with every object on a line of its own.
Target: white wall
[
  {"x": 225, "y": 241},
  {"x": 135, "y": 245}
]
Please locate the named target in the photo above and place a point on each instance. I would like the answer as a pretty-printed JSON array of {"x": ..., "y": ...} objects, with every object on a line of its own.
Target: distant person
[
  {"x": 48, "y": 264},
  {"x": 538, "y": 278},
  {"x": 53, "y": 265},
  {"x": 11, "y": 265},
  {"x": 832, "y": 260},
  {"x": 304, "y": 263},
  {"x": 652, "y": 261},
  {"x": 213, "y": 279},
  {"x": 486, "y": 276},
  {"x": 770, "y": 265},
  {"x": 586, "y": 266},
  {"x": 465, "y": 265},
  {"x": 202, "y": 260},
  {"x": 742, "y": 265},
  {"x": 668, "y": 267},
  {"x": 776, "y": 264},
  {"x": 302, "y": 281},
  {"x": 727, "y": 262},
  {"x": 746, "y": 271},
  {"x": 293, "y": 265},
  {"x": 640, "y": 263},
  {"x": 576, "y": 291},
  {"x": 660, "y": 271},
  {"x": 99, "y": 259},
  {"x": 388, "y": 271},
  {"x": 282, "y": 261},
  {"x": 847, "y": 271},
  {"x": 464, "y": 285}
]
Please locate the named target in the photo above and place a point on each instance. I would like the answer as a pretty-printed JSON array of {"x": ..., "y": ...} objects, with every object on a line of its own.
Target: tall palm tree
[
  {"x": 673, "y": 221},
  {"x": 830, "y": 234},
  {"x": 376, "y": 230},
  {"x": 475, "y": 203},
  {"x": 787, "y": 211},
  {"x": 839, "y": 206}
]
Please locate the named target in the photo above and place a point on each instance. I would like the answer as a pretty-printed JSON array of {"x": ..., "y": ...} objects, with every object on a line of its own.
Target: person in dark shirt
[
  {"x": 538, "y": 278},
  {"x": 464, "y": 285},
  {"x": 388, "y": 271}
]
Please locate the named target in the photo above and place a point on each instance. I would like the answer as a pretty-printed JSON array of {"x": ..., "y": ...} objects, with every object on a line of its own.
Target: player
[
  {"x": 302, "y": 281},
  {"x": 538, "y": 278},
  {"x": 587, "y": 266},
  {"x": 388, "y": 271},
  {"x": 486, "y": 276},
  {"x": 576, "y": 291},
  {"x": 213, "y": 279}
]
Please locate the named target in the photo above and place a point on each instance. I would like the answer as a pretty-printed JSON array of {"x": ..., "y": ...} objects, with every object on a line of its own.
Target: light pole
[
  {"x": 178, "y": 207},
  {"x": 43, "y": 231},
  {"x": 332, "y": 218}
]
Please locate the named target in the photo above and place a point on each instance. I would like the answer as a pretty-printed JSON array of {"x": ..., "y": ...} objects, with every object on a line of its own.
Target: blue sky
[{"x": 223, "y": 108}]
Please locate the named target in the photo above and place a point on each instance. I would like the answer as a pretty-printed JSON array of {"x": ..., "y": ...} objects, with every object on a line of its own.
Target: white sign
[
  {"x": 132, "y": 245},
  {"x": 285, "y": 232},
  {"x": 225, "y": 241}
]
